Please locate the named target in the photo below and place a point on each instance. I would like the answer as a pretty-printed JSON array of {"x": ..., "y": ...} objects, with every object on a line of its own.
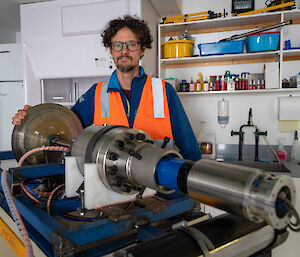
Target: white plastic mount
[{"x": 96, "y": 194}]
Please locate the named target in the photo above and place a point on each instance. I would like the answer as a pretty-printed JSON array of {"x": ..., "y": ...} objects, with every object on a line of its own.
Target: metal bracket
[{"x": 203, "y": 241}]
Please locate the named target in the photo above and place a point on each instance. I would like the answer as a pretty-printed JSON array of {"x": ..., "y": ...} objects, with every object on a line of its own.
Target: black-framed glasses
[{"x": 131, "y": 45}]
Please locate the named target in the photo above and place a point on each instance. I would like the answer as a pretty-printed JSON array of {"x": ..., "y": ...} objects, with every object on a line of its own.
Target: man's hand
[{"x": 20, "y": 115}]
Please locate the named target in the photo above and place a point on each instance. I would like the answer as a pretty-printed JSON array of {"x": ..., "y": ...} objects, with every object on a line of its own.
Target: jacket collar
[{"x": 114, "y": 85}]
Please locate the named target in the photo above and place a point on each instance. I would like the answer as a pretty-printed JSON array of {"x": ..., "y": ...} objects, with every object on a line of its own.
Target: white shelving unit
[
  {"x": 223, "y": 26},
  {"x": 260, "y": 91}
]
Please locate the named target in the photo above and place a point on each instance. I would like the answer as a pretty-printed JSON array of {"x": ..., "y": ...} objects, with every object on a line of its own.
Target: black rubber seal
[
  {"x": 94, "y": 140},
  {"x": 182, "y": 175}
]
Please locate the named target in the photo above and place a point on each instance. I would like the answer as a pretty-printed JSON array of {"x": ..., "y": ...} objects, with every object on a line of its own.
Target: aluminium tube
[{"x": 244, "y": 191}]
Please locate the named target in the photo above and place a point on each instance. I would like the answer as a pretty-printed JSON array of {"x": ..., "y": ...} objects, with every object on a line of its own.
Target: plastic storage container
[
  {"x": 177, "y": 48},
  {"x": 267, "y": 41},
  {"x": 218, "y": 48}
]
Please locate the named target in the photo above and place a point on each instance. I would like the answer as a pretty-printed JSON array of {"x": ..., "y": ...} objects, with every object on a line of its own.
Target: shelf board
[
  {"x": 291, "y": 15},
  {"x": 291, "y": 53},
  {"x": 256, "y": 91},
  {"x": 230, "y": 23},
  {"x": 221, "y": 24},
  {"x": 226, "y": 59}
]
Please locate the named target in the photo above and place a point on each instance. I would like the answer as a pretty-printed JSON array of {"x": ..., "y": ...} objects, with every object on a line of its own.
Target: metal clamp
[{"x": 203, "y": 241}]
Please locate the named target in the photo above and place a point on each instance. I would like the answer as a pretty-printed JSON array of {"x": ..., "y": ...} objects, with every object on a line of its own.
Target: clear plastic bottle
[
  {"x": 208, "y": 145},
  {"x": 294, "y": 155},
  {"x": 206, "y": 140},
  {"x": 281, "y": 152},
  {"x": 223, "y": 112}
]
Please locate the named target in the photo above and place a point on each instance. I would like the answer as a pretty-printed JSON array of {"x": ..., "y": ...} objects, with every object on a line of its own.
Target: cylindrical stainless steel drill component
[
  {"x": 247, "y": 192},
  {"x": 143, "y": 172},
  {"x": 127, "y": 161}
]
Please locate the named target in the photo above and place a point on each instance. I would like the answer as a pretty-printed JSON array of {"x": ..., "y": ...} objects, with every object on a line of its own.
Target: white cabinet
[
  {"x": 11, "y": 63},
  {"x": 54, "y": 20},
  {"x": 80, "y": 56},
  {"x": 63, "y": 39},
  {"x": 213, "y": 30},
  {"x": 202, "y": 106}
]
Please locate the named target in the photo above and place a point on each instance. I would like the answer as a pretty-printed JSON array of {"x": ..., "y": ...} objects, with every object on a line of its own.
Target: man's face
[{"x": 126, "y": 60}]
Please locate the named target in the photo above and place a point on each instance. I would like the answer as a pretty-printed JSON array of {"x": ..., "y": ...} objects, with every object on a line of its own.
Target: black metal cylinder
[{"x": 220, "y": 230}]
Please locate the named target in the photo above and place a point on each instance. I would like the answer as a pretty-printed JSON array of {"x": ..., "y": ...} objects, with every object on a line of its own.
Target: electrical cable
[
  {"x": 25, "y": 190},
  {"x": 268, "y": 144},
  {"x": 42, "y": 148},
  {"x": 50, "y": 197},
  {"x": 292, "y": 211},
  {"x": 16, "y": 216}
]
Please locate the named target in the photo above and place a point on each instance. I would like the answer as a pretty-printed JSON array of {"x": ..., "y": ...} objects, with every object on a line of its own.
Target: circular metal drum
[{"x": 43, "y": 123}]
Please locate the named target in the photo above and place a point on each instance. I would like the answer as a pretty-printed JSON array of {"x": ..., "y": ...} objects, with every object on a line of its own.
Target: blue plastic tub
[
  {"x": 268, "y": 41},
  {"x": 226, "y": 47}
]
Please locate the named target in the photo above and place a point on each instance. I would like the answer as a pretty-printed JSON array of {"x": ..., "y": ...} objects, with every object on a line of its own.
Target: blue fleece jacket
[{"x": 183, "y": 134}]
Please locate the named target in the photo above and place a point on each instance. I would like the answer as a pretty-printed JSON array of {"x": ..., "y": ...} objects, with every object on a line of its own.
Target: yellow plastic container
[{"x": 177, "y": 48}]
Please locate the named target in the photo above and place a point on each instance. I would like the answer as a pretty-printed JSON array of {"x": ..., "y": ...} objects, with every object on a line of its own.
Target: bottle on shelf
[
  {"x": 184, "y": 86},
  {"x": 254, "y": 84},
  {"x": 258, "y": 84},
  {"x": 242, "y": 80},
  {"x": 198, "y": 86},
  {"x": 218, "y": 84},
  {"x": 200, "y": 80},
  {"x": 262, "y": 85},
  {"x": 246, "y": 86},
  {"x": 250, "y": 85},
  {"x": 205, "y": 85},
  {"x": 231, "y": 83},
  {"x": 192, "y": 86},
  {"x": 237, "y": 83},
  {"x": 223, "y": 85},
  {"x": 227, "y": 75}
]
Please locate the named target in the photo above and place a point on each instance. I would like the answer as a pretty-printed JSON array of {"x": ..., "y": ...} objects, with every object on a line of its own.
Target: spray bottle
[
  {"x": 294, "y": 155},
  {"x": 281, "y": 152}
]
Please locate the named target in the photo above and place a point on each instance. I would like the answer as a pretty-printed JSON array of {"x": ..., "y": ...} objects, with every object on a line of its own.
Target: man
[{"x": 130, "y": 97}]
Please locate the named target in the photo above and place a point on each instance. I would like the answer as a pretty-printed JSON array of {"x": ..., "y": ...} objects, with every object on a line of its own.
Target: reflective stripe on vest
[{"x": 152, "y": 115}]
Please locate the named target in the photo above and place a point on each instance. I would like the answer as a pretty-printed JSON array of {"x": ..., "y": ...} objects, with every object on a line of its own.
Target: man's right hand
[{"x": 20, "y": 115}]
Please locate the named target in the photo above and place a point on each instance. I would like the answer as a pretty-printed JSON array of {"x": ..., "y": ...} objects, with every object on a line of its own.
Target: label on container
[
  {"x": 281, "y": 155},
  {"x": 206, "y": 147}
]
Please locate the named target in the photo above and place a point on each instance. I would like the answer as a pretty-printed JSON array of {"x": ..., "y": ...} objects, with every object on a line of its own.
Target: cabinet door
[
  {"x": 91, "y": 18},
  {"x": 54, "y": 20},
  {"x": 40, "y": 21},
  {"x": 11, "y": 99},
  {"x": 70, "y": 57},
  {"x": 63, "y": 37},
  {"x": 11, "y": 62}
]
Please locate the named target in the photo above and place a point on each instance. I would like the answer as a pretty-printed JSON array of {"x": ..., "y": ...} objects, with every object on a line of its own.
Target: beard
[{"x": 125, "y": 67}]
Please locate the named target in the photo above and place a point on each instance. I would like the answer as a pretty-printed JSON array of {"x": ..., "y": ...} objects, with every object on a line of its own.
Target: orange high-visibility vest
[{"x": 152, "y": 116}]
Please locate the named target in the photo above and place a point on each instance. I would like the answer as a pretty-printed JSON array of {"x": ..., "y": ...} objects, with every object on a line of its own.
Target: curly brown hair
[{"x": 137, "y": 26}]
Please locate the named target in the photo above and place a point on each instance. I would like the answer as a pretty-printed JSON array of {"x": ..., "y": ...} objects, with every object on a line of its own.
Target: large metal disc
[{"x": 42, "y": 122}]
